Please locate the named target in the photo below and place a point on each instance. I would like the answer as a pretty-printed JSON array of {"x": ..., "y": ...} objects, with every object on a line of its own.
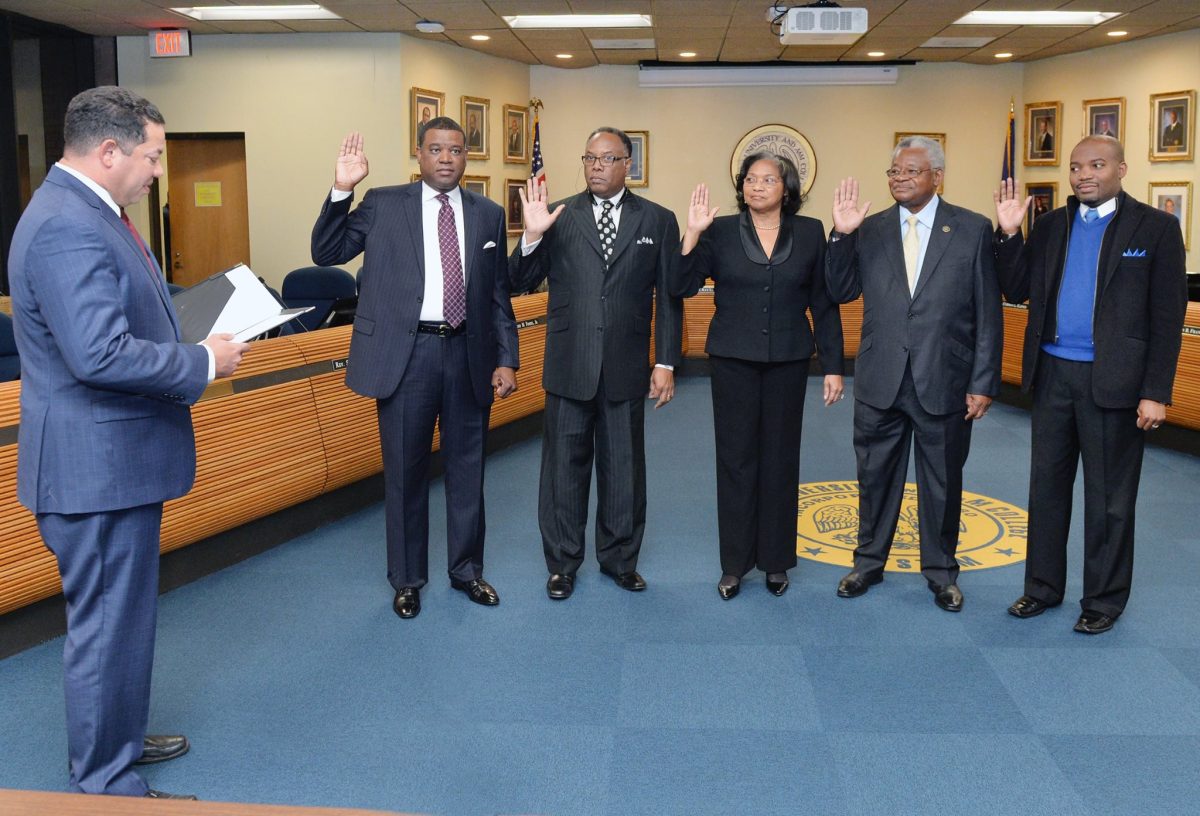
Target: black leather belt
[{"x": 441, "y": 329}]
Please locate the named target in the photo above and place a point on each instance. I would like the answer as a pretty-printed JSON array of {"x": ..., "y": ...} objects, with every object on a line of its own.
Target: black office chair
[
  {"x": 330, "y": 290},
  {"x": 10, "y": 362}
]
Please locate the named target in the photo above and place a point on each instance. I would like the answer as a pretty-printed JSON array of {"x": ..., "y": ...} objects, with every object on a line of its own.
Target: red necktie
[
  {"x": 454, "y": 294},
  {"x": 136, "y": 237}
]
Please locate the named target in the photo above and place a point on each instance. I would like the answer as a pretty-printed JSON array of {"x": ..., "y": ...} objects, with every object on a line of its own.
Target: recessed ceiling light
[
  {"x": 429, "y": 27},
  {"x": 307, "y": 11},
  {"x": 1046, "y": 18},
  {"x": 687, "y": 54},
  {"x": 1117, "y": 33},
  {"x": 1004, "y": 55},
  {"x": 563, "y": 56},
  {"x": 579, "y": 21},
  {"x": 875, "y": 54},
  {"x": 480, "y": 37}
]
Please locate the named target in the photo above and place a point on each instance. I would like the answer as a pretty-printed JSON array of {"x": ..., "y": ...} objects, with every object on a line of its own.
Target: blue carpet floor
[{"x": 297, "y": 684}]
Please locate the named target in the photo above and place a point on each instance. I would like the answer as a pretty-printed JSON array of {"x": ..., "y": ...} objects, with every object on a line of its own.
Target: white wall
[{"x": 295, "y": 97}]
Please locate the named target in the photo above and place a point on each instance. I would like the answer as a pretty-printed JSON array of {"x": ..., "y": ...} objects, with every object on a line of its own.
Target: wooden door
[{"x": 206, "y": 194}]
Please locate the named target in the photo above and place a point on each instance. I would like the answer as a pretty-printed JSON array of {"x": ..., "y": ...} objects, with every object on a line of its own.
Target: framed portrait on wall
[
  {"x": 639, "y": 159},
  {"x": 516, "y": 134},
  {"x": 475, "y": 124},
  {"x": 1104, "y": 117},
  {"x": 1172, "y": 126},
  {"x": 940, "y": 138},
  {"x": 425, "y": 105},
  {"x": 1175, "y": 198},
  {"x": 1042, "y": 135},
  {"x": 1045, "y": 199},
  {"x": 477, "y": 184},
  {"x": 415, "y": 177},
  {"x": 514, "y": 216}
]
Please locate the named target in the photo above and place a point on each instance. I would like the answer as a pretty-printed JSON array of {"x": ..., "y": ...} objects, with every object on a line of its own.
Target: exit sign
[{"x": 176, "y": 42}]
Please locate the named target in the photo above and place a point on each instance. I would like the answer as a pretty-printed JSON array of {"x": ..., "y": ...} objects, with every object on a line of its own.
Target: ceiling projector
[{"x": 821, "y": 25}]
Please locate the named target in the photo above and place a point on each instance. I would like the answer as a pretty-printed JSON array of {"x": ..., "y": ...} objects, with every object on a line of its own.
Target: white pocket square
[
  {"x": 645, "y": 239},
  {"x": 489, "y": 245}
]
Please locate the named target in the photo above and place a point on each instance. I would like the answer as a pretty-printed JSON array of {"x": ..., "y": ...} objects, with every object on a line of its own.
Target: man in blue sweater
[{"x": 1107, "y": 291}]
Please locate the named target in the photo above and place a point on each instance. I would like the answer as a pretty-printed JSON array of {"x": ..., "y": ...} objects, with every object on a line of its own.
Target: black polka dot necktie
[{"x": 608, "y": 229}]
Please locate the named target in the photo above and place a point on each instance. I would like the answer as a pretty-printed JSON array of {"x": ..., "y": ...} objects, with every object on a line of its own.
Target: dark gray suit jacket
[
  {"x": 387, "y": 225},
  {"x": 1141, "y": 298},
  {"x": 950, "y": 330},
  {"x": 599, "y": 313}
]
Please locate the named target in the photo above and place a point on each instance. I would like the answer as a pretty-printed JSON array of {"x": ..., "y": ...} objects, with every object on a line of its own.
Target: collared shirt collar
[
  {"x": 616, "y": 200},
  {"x": 430, "y": 194},
  {"x": 1103, "y": 211},
  {"x": 926, "y": 215},
  {"x": 91, "y": 185}
]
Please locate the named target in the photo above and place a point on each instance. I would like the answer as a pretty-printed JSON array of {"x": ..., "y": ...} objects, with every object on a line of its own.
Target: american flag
[
  {"x": 537, "y": 169},
  {"x": 1008, "y": 167}
]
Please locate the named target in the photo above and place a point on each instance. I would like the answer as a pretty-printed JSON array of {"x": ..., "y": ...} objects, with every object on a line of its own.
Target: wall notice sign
[
  {"x": 174, "y": 42},
  {"x": 208, "y": 193}
]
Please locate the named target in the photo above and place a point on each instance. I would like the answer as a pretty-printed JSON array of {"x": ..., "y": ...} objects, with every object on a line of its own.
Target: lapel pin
[{"x": 945, "y": 228}]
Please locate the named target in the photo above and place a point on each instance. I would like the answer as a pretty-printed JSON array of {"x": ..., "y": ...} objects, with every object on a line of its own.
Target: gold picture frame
[
  {"x": 514, "y": 213},
  {"x": 1104, "y": 117},
  {"x": 1172, "y": 126},
  {"x": 639, "y": 159},
  {"x": 476, "y": 125},
  {"x": 1045, "y": 199},
  {"x": 1174, "y": 197},
  {"x": 516, "y": 134},
  {"x": 477, "y": 184},
  {"x": 1043, "y": 134},
  {"x": 424, "y": 105}
]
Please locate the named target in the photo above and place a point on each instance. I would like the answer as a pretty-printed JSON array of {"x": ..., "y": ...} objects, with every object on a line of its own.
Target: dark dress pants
[
  {"x": 436, "y": 387},
  {"x": 574, "y": 433},
  {"x": 881, "y": 445},
  {"x": 1067, "y": 423},
  {"x": 109, "y": 568},
  {"x": 758, "y": 409}
]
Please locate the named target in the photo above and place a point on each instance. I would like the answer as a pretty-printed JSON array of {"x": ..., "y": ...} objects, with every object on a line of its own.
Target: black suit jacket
[
  {"x": 599, "y": 313},
  {"x": 950, "y": 331},
  {"x": 387, "y": 226},
  {"x": 1141, "y": 298},
  {"x": 761, "y": 303}
]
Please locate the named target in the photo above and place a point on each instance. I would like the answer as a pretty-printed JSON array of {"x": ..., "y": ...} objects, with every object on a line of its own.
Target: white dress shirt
[{"x": 925, "y": 220}]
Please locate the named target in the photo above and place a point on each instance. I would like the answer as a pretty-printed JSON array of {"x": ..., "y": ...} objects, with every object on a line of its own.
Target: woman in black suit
[{"x": 769, "y": 267}]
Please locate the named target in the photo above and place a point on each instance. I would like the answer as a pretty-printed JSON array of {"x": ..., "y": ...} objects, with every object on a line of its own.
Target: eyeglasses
[
  {"x": 766, "y": 181},
  {"x": 897, "y": 173},
  {"x": 607, "y": 161}
]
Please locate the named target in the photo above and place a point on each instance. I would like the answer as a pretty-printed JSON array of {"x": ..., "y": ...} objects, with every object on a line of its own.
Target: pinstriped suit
[
  {"x": 417, "y": 378},
  {"x": 105, "y": 439},
  {"x": 597, "y": 372}
]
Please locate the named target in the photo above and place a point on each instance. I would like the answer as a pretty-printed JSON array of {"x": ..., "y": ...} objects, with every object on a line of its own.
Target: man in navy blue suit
[
  {"x": 434, "y": 339},
  {"x": 106, "y": 432}
]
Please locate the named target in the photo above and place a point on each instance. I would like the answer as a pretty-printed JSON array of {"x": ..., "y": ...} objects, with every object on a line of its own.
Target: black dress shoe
[
  {"x": 777, "y": 583},
  {"x": 408, "y": 602},
  {"x": 157, "y": 794},
  {"x": 1094, "y": 623},
  {"x": 160, "y": 748},
  {"x": 728, "y": 587},
  {"x": 626, "y": 580},
  {"x": 478, "y": 590},
  {"x": 855, "y": 584},
  {"x": 948, "y": 597},
  {"x": 1028, "y": 606},
  {"x": 559, "y": 587}
]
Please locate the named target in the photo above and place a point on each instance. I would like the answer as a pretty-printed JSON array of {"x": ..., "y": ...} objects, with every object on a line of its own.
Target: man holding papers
[
  {"x": 106, "y": 433},
  {"x": 434, "y": 338}
]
